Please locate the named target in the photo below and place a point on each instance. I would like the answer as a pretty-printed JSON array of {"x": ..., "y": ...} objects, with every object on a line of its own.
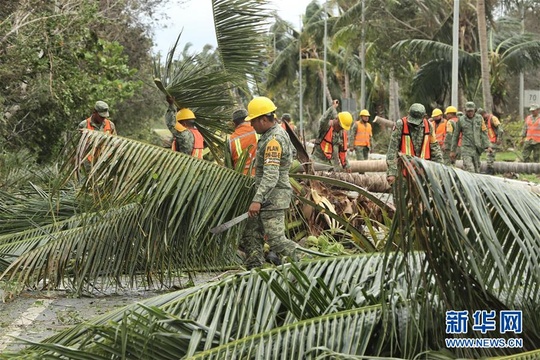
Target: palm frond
[
  {"x": 241, "y": 26},
  {"x": 153, "y": 212}
]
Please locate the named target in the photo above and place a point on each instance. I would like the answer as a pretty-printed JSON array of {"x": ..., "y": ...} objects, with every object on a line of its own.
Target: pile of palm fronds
[{"x": 135, "y": 210}]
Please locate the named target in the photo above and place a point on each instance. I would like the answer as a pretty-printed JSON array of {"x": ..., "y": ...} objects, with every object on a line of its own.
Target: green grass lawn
[{"x": 505, "y": 156}]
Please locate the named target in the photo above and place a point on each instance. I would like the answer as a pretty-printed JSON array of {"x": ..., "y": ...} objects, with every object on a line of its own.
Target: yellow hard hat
[
  {"x": 260, "y": 105},
  {"x": 345, "y": 120},
  {"x": 364, "y": 113},
  {"x": 185, "y": 114},
  {"x": 436, "y": 112},
  {"x": 451, "y": 110}
]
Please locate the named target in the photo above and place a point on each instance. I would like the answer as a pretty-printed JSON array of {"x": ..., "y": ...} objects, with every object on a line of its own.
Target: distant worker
[
  {"x": 451, "y": 119},
  {"x": 244, "y": 138},
  {"x": 413, "y": 135},
  {"x": 272, "y": 187},
  {"x": 530, "y": 136},
  {"x": 494, "y": 134},
  {"x": 473, "y": 132},
  {"x": 439, "y": 124},
  {"x": 99, "y": 121},
  {"x": 362, "y": 136},
  {"x": 331, "y": 146},
  {"x": 186, "y": 137},
  {"x": 287, "y": 118}
]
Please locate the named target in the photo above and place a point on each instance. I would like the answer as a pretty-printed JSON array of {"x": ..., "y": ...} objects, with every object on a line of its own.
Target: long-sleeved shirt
[
  {"x": 474, "y": 138},
  {"x": 273, "y": 161},
  {"x": 417, "y": 138},
  {"x": 337, "y": 142}
]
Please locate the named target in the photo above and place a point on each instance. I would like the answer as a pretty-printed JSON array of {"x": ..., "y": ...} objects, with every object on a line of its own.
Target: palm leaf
[
  {"x": 153, "y": 211},
  {"x": 244, "y": 305}
]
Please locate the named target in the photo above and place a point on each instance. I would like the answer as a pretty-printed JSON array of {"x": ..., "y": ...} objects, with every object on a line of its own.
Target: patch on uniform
[
  {"x": 272, "y": 153},
  {"x": 449, "y": 127}
]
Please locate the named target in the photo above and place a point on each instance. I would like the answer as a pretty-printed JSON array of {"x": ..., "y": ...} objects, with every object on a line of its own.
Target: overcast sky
[{"x": 197, "y": 22}]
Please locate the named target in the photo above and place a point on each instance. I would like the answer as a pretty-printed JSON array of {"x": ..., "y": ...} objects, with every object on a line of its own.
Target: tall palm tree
[{"x": 484, "y": 55}]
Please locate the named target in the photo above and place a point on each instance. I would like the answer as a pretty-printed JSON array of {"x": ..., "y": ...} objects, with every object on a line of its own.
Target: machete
[{"x": 227, "y": 225}]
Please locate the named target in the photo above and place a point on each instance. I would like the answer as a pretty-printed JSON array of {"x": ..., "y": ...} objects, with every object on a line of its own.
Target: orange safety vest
[
  {"x": 533, "y": 129},
  {"x": 242, "y": 138},
  {"x": 407, "y": 146},
  {"x": 363, "y": 134},
  {"x": 198, "y": 144},
  {"x": 327, "y": 146},
  {"x": 490, "y": 131},
  {"x": 440, "y": 131},
  {"x": 106, "y": 129}
]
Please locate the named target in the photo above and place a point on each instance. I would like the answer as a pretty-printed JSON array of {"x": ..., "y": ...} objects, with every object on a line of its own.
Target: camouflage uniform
[
  {"x": 474, "y": 139},
  {"x": 450, "y": 126},
  {"x": 337, "y": 143},
  {"x": 184, "y": 139},
  {"x": 498, "y": 131},
  {"x": 362, "y": 152},
  {"x": 272, "y": 164},
  {"x": 103, "y": 109},
  {"x": 417, "y": 137}
]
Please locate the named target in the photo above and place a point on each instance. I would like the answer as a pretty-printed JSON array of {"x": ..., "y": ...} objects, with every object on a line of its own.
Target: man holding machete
[{"x": 272, "y": 164}]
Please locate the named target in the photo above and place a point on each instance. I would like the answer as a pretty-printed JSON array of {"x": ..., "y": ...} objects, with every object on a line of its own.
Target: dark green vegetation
[{"x": 140, "y": 214}]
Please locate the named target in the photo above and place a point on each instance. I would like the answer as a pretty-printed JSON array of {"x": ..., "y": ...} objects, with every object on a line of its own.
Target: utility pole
[
  {"x": 521, "y": 76},
  {"x": 363, "y": 59},
  {"x": 301, "y": 92},
  {"x": 324, "y": 60},
  {"x": 455, "y": 55}
]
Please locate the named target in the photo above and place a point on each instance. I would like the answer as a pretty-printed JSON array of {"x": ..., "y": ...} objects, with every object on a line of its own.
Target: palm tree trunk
[
  {"x": 500, "y": 167},
  {"x": 393, "y": 111},
  {"x": 482, "y": 37}
]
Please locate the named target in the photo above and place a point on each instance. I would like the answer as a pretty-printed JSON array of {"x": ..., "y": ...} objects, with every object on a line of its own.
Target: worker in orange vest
[
  {"x": 99, "y": 121},
  {"x": 362, "y": 136},
  {"x": 530, "y": 136},
  {"x": 330, "y": 150},
  {"x": 413, "y": 135},
  {"x": 187, "y": 138},
  {"x": 439, "y": 124},
  {"x": 451, "y": 119},
  {"x": 244, "y": 138},
  {"x": 494, "y": 133}
]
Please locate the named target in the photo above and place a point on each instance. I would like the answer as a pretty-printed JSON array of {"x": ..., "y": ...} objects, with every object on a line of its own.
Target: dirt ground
[{"x": 36, "y": 315}]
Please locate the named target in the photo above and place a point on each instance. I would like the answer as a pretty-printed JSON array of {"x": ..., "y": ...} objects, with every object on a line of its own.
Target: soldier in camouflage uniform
[
  {"x": 473, "y": 131},
  {"x": 99, "y": 121},
  {"x": 272, "y": 164},
  {"x": 451, "y": 119},
  {"x": 186, "y": 138},
  {"x": 330, "y": 150},
  {"x": 494, "y": 133},
  {"x": 420, "y": 140}
]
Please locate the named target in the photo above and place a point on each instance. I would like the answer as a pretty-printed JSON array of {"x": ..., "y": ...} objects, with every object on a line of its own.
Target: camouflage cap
[
  {"x": 416, "y": 113},
  {"x": 286, "y": 116},
  {"x": 533, "y": 107},
  {"x": 239, "y": 114},
  {"x": 102, "y": 108},
  {"x": 481, "y": 111},
  {"x": 469, "y": 105}
]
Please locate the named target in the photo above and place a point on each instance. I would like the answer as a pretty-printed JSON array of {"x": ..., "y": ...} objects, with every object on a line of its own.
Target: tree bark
[{"x": 484, "y": 54}]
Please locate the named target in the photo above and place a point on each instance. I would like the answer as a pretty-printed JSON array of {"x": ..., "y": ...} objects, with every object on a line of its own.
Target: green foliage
[{"x": 55, "y": 77}]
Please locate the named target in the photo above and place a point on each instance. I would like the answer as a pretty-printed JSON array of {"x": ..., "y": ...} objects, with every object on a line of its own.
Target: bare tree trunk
[
  {"x": 370, "y": 182},
  {"x": 393, "y": 110},
  {"x": 500, "y": 167},
  {"x": 484, "y": 55}
]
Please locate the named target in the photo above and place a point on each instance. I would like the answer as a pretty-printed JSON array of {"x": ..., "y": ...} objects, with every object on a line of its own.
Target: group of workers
[{"x": 258, "y": 131}]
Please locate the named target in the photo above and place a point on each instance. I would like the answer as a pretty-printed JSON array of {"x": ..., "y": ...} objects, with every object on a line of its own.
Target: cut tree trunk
[{"x": 500, "y": 167}]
